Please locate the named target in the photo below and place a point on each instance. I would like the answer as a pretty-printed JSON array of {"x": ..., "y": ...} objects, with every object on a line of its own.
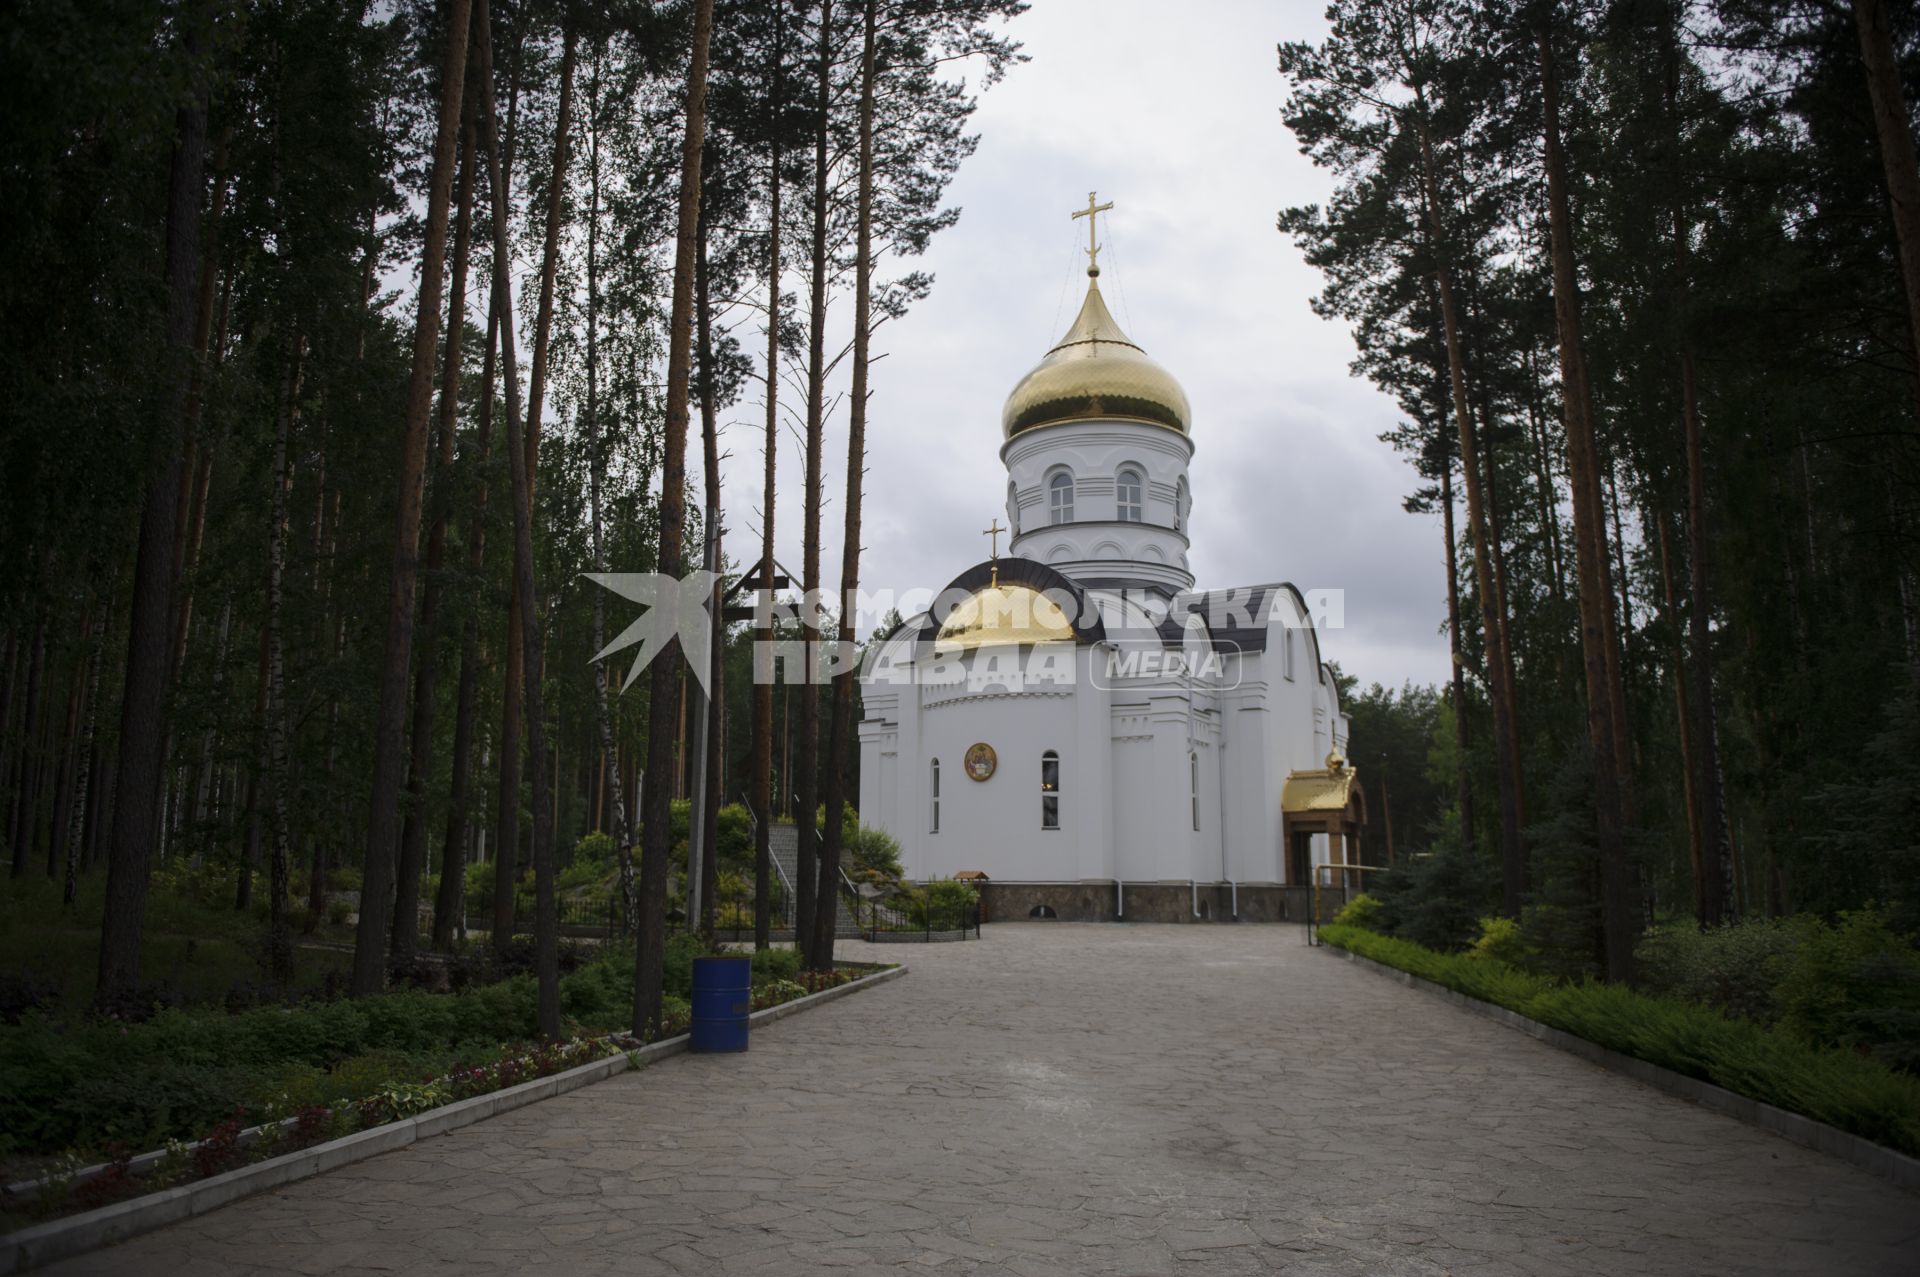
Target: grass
[
  {"x": 1845, "y": 1089},
  {"x": 196, "y": 947}
]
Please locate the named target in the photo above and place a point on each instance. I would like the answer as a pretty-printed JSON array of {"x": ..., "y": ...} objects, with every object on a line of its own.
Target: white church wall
[{"x": 995, "y": 825}]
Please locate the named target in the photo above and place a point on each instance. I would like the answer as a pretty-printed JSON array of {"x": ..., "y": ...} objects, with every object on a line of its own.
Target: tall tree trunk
[
  {"x": 1696, "y": 858},
  {"x": 1722, "y": 901},
  {"x": 513, "y": 708},
  {"x": 664, "y": 674},
  {"x": 74, "y": 835},
  {"x": 545, "y": 928},
  {"x": 143, "y": 703},
  {"x": 841, "y": 729},
  {"x": 1893, "y": 124},
  {"x": 279, "y": 873},
  {"x": 389, "y": 747},
  {"x": 1513, "y": 863},
  {"x": 69, "y": 740},
  {"x": 1462, "y": 730},
  {"x": 1543, "y": 477},
  {"x": 762, "y": 779},
  {"x": 1618, "y": 910},
  {"x": 613, "y": 799},
  {"x": 28, "y": 791},
  {"x": 716, "y": 698},
  {"x": 256, "y": 778},
  {"x": 807, "y": 763},
  {"x": 450, "y": 904},
  {"x": 426, "y": 680}
]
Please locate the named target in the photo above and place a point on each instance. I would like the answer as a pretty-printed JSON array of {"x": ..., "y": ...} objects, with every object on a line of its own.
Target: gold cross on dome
[
  {"x": 994, "y": 532},
  {"x": 1091, "y": 212}
]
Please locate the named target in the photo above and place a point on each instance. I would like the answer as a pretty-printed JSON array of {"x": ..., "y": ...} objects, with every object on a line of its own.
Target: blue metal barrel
[{"x": 722, "y": 999}]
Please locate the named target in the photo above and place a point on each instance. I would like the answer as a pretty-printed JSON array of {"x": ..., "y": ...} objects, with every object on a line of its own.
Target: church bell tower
[{"x": 1097, "y": 450}]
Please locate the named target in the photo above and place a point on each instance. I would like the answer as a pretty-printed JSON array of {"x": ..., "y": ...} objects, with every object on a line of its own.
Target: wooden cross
[
  {"x": 994, "y": 532},
  {"x": 1091, "y": 213}
]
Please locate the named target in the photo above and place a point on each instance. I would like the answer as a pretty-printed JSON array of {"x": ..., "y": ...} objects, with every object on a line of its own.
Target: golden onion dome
[
  {"x": 1003, "y": 614},
  {"x": 1095, "y": 372}
]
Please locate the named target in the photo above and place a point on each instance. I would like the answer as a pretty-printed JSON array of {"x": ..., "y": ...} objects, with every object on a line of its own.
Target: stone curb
[
  {"x": 1805, "y": 1131},
  {"x": 60, "y": 1238}
]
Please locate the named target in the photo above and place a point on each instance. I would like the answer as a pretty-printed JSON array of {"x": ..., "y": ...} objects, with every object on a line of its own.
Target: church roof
[
  {"x": 1010, "y": 600},
  {"x": 1095, "y": 373},
  {"x": 1330, "y": 788}
]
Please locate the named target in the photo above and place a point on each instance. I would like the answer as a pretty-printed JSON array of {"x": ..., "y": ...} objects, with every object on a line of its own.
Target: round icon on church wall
[{"x": 981, "y": 760}]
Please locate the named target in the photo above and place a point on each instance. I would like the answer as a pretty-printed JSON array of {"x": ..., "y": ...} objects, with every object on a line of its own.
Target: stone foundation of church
[{"x": 1151, "y": 902}]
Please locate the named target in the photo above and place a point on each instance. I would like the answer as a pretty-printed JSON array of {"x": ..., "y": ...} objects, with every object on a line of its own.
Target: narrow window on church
[
  {"x": 934, "y": 818},
  {"x": 1049, "y": 790},
  {"x": 1128, "y": 486},
  {"x": 1286, "y": 654},
  {"x": 1193, "y": 785},
  {"x": 1060, "y": 499},
  {"x": 1180, "y": 506}
]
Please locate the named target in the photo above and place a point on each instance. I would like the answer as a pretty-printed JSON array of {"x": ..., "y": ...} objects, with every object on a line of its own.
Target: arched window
[
  {"x": 1180, "y": 505},
  {"x": 1013, "y": 509},
  {"x": 933, "y": 816},
  {"x": 1129, "y": 486},
  {"x": 1049, "y": 790},
  {"x": 1060, "y": 498},
  {"x": 1286, "y": 654},
  {"x": 1193, "y": 785}
]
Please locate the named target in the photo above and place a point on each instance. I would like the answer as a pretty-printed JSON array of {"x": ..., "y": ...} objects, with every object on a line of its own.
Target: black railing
[
  {"x": 925, "y": 921},
  {"x": 592, "y": 913}
]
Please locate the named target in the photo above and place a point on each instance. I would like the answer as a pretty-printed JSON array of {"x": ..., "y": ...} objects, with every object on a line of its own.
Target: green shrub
[
  {"x": 1500, "y": 941},
  {"x": 1855, "y": 984},
  {"x": 942, "y": 904},
  {"x": 1843, "y": 1088},
  {"x": 596, "y": 848},
  {"x": 874, "y": 852},
  {"x": 1437, "y": 900},
  {"x": 1737, "y": 968},
  {"x": 770, "y": 965},
  {"x": 736, "y": 838},
  {"x": 1362, "y": 911}
]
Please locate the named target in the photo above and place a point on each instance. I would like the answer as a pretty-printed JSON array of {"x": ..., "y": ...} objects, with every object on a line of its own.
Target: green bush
[
  {"x": 1500, "y": 941},
  {"x": 873, "y": 852},
  {"x": 942, "y": 904},
  {"x": 1843, "y": 1088},
  {"x": 1737, "y": 968},
  {"x": 1437, "y": 900},
  {"x": 1362, "y": 911},
  {"x": 596, "y": 848},
  {"x": 770, "y": 965},
  {"x": 1855, "y": 984},
  {"x": 87, "y": 1084},
  {"x": 736, "y": 838}
]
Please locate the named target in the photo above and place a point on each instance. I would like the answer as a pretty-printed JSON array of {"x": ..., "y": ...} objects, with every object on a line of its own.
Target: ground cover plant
[{"x": 1846, "y": 1088}]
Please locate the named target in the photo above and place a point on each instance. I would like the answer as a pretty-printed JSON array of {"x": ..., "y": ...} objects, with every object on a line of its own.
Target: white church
[{"x": 1072, "y": 723}]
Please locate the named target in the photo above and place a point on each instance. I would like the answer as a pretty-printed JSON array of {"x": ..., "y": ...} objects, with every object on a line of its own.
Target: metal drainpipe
[
  {"x": 1119, "y": 899},
  {"x": 1220, "y": 777}
]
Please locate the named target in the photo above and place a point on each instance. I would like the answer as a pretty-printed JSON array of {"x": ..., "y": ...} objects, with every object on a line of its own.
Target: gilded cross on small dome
[
  {"x": 1092, "y": 213},
  {"x": 993, "y": 544}
]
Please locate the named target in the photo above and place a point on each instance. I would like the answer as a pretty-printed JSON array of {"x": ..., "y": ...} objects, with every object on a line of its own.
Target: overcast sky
[{"x": 1172, "y": 112}]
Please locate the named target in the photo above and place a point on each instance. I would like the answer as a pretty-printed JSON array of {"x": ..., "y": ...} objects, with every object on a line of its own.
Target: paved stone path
[{"x": 1088, "y": 1099}]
